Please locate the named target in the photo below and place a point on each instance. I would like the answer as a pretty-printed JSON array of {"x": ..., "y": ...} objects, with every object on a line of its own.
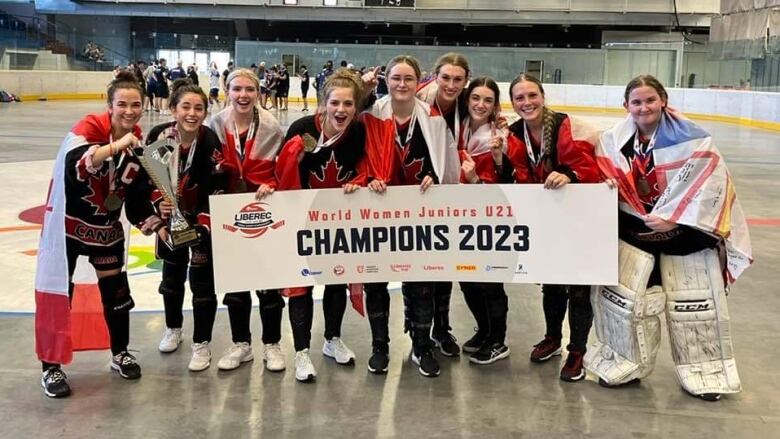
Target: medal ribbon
[
  {"x": 175, "y": 168},
  {"x": 250, "y": 140},
  {"x": 529, "y": 148},
  {"x": 409, "y": 133}
]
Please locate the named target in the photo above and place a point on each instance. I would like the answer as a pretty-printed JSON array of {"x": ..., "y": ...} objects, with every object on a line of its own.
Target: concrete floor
[{"x": 513, "y": 398}]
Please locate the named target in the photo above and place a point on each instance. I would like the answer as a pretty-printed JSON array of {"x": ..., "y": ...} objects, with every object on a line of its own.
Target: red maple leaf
[
  {"x": 412, "y": 169},
  {"x": 329, "y": 175}
]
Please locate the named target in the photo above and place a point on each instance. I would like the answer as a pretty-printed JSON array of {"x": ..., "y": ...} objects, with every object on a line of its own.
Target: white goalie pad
[
  {"x": 628, "y": 329},
  {"x": 698, "y": 321}
]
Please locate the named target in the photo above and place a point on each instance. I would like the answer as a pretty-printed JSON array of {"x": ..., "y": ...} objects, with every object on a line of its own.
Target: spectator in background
[
  {"x": 228, "y": 70},
  {"x": 261, "y": 74},
  {"x": 177, "y": 72},
  {"x": 283, "y": 88},
  {"x": 192, "y": 74},
  {"x": 381, "y": 86},
  {"x": 151, "y": 86},
  {"x": 161, "y": 74},
  {"x": 213, "y": 84},
  {"x": 303, "y": 75}
]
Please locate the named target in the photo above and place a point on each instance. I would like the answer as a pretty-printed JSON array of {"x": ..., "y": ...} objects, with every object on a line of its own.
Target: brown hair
[
  {"x": 183, "y": 86},
  {"x": 649, "y": 81},
  {"x": 548, "y": 115},
  {"x": 453, "y": 58},
  {"x": 344, "y": 78},
  {"x": 408, "y": 60},
  {"x": 125, "y": 79},
  {"x": 484, "y": 81}
]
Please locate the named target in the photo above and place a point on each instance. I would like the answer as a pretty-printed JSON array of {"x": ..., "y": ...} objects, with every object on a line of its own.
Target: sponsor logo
[
  {"x": 520, "y": 269},
  {"x": 338, "y": 270},
  {"x": 307, "y": 272},
  {"x": 400, "y": 268},
  {"x": 692, "y": 307},
  {"x": 614, "y": 298},
  {"x": 253, "y": 220},
  {"x": 495, "y": 267},
  {"x": 466, "y": 267},
  {"x": 433, "y": 267},
  {"x": 367, "y": 269}
]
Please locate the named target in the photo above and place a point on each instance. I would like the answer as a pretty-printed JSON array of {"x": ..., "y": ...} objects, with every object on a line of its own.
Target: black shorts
[
  {"x": 103, "y": 258},
  {"x": 304, "y": 91},
  {"x": 151, "y": 89},
  {"x": 162, "y": 91},
  {"x": 282, "y": 92},
  {"x": 214, "y": 92}
]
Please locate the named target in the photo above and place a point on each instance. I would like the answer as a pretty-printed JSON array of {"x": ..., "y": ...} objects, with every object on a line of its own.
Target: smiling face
[
  {"x": 125, "y": 109},
  {"x": 189, "y": 113},
  {"x": 451, "y": 80},
  {"x": 242, "y": 94},
  {"x": 528, "y": 101},
  {"x": 482, "y": 105},
  {"x": 402, "y": 82},
  {"x": 645, "y": 105},
  {"x": 340, "y": 110}
]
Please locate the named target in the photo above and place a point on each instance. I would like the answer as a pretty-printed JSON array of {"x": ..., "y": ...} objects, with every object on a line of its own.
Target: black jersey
[{"x": 414, "y": 157}]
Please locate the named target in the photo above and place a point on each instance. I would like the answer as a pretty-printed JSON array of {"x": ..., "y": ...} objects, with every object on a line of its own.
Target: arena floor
[{"x": 512, "y": 398}]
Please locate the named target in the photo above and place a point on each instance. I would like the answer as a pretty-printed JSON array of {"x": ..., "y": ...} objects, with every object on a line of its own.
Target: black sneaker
[
  {"x": 490, "y": 353},
  {"x": 709, "y": 397},
  {"x": 125, "y": 364},
  {"x": 55, "y": 383},
  {"x": 447, "y": 344},
  {"x": 475, "y": 343},
  {"x": 604, "y": 383},
  {"x": 379, "y": 360},
  {"x": 428, "y": 366}
]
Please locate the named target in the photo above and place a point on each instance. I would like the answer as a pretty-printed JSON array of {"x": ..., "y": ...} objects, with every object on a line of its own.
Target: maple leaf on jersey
[
  {"x": 412, "y": 169},
  {"x": 96, "y": 196},
  {"x": 329, "y": 175}
]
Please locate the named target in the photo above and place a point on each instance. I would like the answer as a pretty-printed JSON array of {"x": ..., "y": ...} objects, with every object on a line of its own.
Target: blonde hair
[
  {"x": 243, "y": 73},
  {"x": 344, "y": 78},
  {"x": 453, "y": 58}
]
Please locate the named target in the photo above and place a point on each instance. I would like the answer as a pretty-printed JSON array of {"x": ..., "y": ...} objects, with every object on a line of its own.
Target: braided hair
[{"x": 548, "y": 115}]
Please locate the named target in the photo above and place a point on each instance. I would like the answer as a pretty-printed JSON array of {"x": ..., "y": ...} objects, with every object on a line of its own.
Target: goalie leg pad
[
  {"x": 626, "y": 320},
  {"x": 698, "y": 321}
]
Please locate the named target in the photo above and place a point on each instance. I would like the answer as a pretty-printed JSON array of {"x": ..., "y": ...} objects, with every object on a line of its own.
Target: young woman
[
  {"x": 95, "y": 175},
  {"x": 407, "y": 144},
  {"x": 445, "y": 93},
  {"x": 482, "y": 150},
  {"x": 214, "y": 85},
  {"x": 340, "y": 148},
  {"x": 250, "y": 138},
  {"x": 544, "y": 149},
  {"x": 681, "y": 227},
  {"x": 303, "y": 75},
  {"x": 193, "y": 169}
]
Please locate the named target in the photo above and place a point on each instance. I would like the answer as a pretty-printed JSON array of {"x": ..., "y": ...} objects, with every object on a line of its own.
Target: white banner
[{"x": 480, "y": 233}]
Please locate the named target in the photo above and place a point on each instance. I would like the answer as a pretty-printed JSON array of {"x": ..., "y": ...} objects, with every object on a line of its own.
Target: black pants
[
  {"x": 441, "y": 308},
  {"x": 555, "y": 300},
  {"x": 201, "y": 274},
  {"x": 334, "y": 304},
  {"x": 239, "y": 307},
  {"x": 114, "y": 290},
  {"x": 489, "y": 304},
  {"x": 378, "y": 312},
  {"x": 418, "y": 313}
]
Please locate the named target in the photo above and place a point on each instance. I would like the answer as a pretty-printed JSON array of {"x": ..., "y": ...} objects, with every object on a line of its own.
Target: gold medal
[
  {"x": 241, "y": 186},
  {"x": 309, "y": 142},
  {"x": 112, "y": 202},
  {"x": 643, "y": 186}
]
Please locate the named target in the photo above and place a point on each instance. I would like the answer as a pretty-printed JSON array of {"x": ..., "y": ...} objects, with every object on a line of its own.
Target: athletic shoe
[
  {"x": 428, "y": 366},
  {"x": 572, "y": 370},
  {"x": 447, "y": 344},
  {"x": 304, "y": 368},
  {"x": 171, "y": 340},
  {"x": 125, "y": 364},
  {"x": 546, "y": 349},
  {"x": 55, "y": 383},
  {"x": 475, "y": 343},
  {"x": 336, "y": 349},
  {"x": 604, "y": 383},
  {"x": 379, "y": 360},
  {"x": 490, "y": 353},
  {"x": 273, "y": 357},
  {"x": 240, "y": 352},
  {"x": 201, "y": 357}
]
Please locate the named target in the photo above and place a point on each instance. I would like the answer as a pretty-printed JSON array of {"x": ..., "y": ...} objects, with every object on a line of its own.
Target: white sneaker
[
  {"x": 235, "y": 355},
  {"x": 201, "y": 357},
  {"x": 336, "y": 349},
  {"x": 171, "y": 340},
  {"x": 273, "y": 357},
  {"x": 304, "y": 369}
]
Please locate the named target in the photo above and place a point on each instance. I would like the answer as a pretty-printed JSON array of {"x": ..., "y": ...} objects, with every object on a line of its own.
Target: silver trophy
[{"x": 156, "y": 160}]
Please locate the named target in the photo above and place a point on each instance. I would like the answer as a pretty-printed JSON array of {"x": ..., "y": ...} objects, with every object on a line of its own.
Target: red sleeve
[
  {"x": 518, "y": 158},
  {"x": 287, "y": 171},
  {"x": 486, "y": 168},
  {"x": 577, "y": 155},
  {"x": 361, "y": 179},
  {"x": 380, "y": 137},
  {"x": 260, "y": 172}
]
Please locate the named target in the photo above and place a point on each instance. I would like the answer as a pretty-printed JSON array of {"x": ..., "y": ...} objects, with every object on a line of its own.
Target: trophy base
[{"x": 183, "y": 238}]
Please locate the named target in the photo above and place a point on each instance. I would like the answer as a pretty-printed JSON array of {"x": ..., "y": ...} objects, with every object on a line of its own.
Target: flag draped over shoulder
[
  {"x": 60, "y": 329},
  {"x": 696, "y": 187},
  {"x": 381, "y": 135},
  {"x": 258, "y": 165}
]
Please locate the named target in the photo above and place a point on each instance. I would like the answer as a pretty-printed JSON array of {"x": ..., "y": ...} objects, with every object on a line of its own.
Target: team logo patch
[
  {"x": 253, "y": 220},
  {"x": 466, "y": 267},
  {"x": 400, "y": 268},
  {"x": 305, "y": 272},
  {"x": 338, "y": 270}
]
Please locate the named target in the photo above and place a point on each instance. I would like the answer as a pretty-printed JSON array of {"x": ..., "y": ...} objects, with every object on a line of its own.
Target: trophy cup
[{"x": 156, "y": 160}]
